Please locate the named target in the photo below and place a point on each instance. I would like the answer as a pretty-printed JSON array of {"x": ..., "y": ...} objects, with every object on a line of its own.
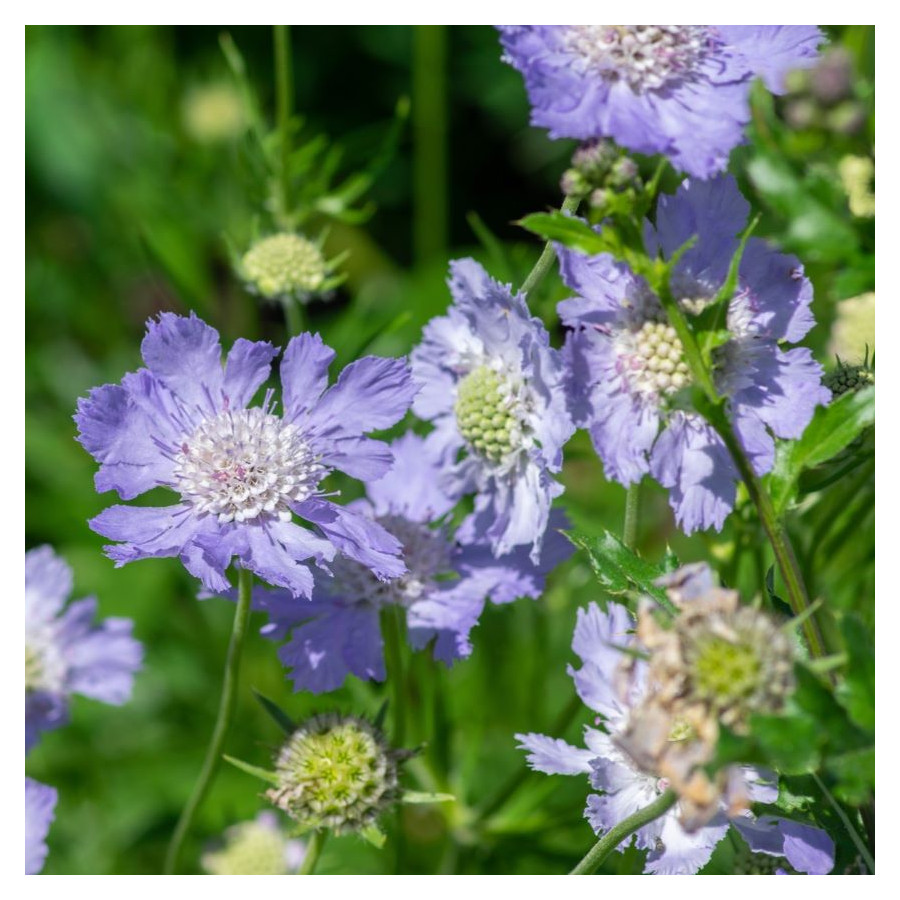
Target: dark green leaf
[
  {"x": 279, "y": 716},
  {"x": 857, "y": 692},
  {"x": 855, "y": 775}
]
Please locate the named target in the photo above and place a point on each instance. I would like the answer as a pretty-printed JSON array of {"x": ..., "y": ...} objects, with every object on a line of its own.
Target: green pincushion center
[
  {"x": 284, "y": 264},
  {"x": 725, "y": 672},
  {"x": 485, "y": 414}
]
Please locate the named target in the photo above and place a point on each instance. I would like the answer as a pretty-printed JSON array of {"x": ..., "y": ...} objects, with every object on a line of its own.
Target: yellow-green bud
[
  {"x": 213, "y": 113},
  {"x": 284, "y": 265}
]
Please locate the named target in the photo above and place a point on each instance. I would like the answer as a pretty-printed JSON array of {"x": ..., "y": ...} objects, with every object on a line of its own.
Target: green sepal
[
  {"x": 256, "y": 771},
  {"x": 374, "y": 835},
  {"x": 278, "y": 715}
]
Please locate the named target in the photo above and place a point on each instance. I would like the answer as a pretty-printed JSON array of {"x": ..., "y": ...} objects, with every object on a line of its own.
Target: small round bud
[
  {"x": 214, "y": 113},
  {"x": 831, "y": 80},
  {"x": 847, "y": 118},
  {"x": 623, "y": 173},
  {"x": 574, "y": 184},
  {"x": 259, "y": 847},
  {"x": 335, "y": 772},
  {"x": 797, "y": 81},
  {"x": 802, "y": 114},
  {"x": 284, "y": 265}
]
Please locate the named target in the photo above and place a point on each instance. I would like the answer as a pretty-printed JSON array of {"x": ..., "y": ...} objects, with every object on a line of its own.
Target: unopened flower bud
[{"x": 284, "y": 265}]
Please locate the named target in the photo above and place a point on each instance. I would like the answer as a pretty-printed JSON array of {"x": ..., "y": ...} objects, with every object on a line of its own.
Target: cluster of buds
[
  {"x": 845, "y": 377},
  {"x": 716, "y": 662},
  {"x": 603, "y": 175},
  {"x": 287, "y": 266},
  {"x": 823, "y": 97}
]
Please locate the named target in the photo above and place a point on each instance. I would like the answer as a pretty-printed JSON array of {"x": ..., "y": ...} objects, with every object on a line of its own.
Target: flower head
[
  {"x": 441, "y": 595},
  {"x": 626, "y": 365},
  {"x": 65, "y": 653},
  {"x": 335, "y": 772},
  {"x": 40, "y": 802},
  {"x": 258, "y": 847},
  {"x": 242, "y": 473},
  {"x": 623, "y": 762},
  {"x": 286, "y": 265},
  {"x": 214, "y": 113},
  {"x": 492, "y": 386},
  {"x": 680, "y": 90}
]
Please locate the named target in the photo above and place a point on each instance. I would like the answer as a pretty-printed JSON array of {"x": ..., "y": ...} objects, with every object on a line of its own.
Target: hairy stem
[
  {"x": 545, "y": 260},
  {"x": 598, "y": 853},
  {"x": 223, "y": 721}
]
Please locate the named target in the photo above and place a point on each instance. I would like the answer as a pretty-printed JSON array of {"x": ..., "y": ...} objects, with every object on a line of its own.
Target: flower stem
[
  {"x": 293, "y": 316},
  {"x": 313, "y": 852},
  {"x": 545, "y": 260},
  {"x": 284, "y": 93},
  {"x": 223, "y": 721},
  {"x": 848, "y": 825},
  {"x": 632, "y": 508},
  {"x": 392, "y": 628},
  {"x": 598, "y": 853}
]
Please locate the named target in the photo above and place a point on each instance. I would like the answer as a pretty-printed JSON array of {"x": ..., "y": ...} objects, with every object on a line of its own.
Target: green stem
[
  {"x": 632, "y": 508},
  {"x": 598, "y": 853},
  {"x": 284, "y": 94},
  {"x": 313, "y": 852},
  {"x": 391, "y": 627},
  {"x": 223, "y": 721},
  {"x": 858, "y": 842},
  {"x": 545, "y": 260},
  {"x": 293, "y": 316},
  {"x": 429, "y": 127}
]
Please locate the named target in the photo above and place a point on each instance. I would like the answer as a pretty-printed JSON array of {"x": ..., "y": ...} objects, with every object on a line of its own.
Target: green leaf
[
  {"x": 374, "y": 835},
  {"x": 565, "y": 230},
  {"x": 619, "y": 569},
  {"x": 855, "y": 775},
  {"x": 857, "y": 692},
  {"x": 279, "y": 716},
  {"x": 832, "y": 428},
  {"x": 425, "y": 797},
  {"x": 256, "y": 771},
  {"x": 789, "y": 743}
]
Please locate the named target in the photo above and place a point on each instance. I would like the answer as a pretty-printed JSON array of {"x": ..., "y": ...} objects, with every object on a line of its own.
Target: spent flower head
[
  {"x": 242, "y": 472},
  {"x": 65, "y": 652}
]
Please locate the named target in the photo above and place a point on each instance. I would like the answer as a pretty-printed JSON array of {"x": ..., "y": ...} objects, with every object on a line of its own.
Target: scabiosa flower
[
  {"x": 258, "y": 847},
  {"x": 493, "y": 388},
  {"x": 287, "y": 266},
  {"x": 680, "y": 90},
  {"x": 336, "y": 772},
  {"x": 242, "y": 472},
  {"x": 625, "y": 363},
  {"x": 673, "y": 849},
  {"x": 442, "y": 593},
  {"x": 40, "y": 802},
  {"x": 65, "y": 653}
]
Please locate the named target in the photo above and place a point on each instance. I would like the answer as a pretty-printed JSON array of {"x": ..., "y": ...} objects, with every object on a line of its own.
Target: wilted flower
[
  {"x": 337, "y": 773},
  {"x": 680, "y": 90},
  {"x": 441, "y": 595},
  {"x": 258, "y": 847},
  {"x": 492, "y": 386},
  {"x": 626, "y": 364},
  {"x": 40, "y": 802},
  {"x": 287, "y": 266},
  {"x": 65, "y": 652},
  {"x": 242, "y": 473},
  {"x": 628, "y": 784}
]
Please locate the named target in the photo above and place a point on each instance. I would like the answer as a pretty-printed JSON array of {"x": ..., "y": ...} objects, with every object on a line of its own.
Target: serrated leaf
[
  {"x": 278, "y": 715},
  {"x": 425, "y": 797},
  {"x": 832, "y": 428},
  {"x": 374, "y": 835},
  {"x": 256, "y": 771}
]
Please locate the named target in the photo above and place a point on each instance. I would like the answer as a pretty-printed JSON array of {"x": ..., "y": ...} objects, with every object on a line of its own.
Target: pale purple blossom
[
  {"x": 242, "y": 472},
  {"x": 65, "y": 651},
  {"x": 626, "y": 368},
  {"x": 679, "y": 90},
  {"x": 40, "y": 803}
]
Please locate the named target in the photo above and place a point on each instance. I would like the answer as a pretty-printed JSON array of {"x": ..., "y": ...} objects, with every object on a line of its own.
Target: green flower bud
[
  {"x": 284, "y": 265},
  {"x": 847, "y": 378},
  {"x": 214, "y": 113}
]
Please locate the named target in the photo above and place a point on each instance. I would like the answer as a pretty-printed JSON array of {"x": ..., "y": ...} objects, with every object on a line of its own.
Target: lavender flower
[
  {"x": 626, "y": 788},
  {"x": 625, "y": 363},
  {"x": 65, "y": 653},
  {"x": 442, "y": 593},
  {"x": 258, "y": 847},
  {"x": 680, "y": 90},
  {"x": 492, "y": 386},
  {"x": 40, "y": 802},
  {"x": 185, "y": 423}
]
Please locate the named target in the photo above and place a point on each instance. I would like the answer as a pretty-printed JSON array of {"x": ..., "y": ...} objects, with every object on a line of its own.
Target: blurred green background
[{"x": 138, "y": 181}]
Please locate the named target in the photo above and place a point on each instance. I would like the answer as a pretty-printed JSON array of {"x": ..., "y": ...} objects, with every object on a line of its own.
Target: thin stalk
[
  {"x": 284, "y": 99},
  {"x": 391, "y": 627},
  {"x": 598, "y": 853},
  {"x": 313, "y": 852},
  {"x": 227, "y": 706},
  {"x": 545, "y": 260},
  {"x": 858, "y": 842},
  {"x": 429, "y": 126},
  {"x": 632, "y": 508},
  {"x": 293, "y": 316}
]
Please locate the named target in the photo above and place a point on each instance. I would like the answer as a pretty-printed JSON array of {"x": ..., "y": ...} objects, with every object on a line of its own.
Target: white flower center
[
  {"x": 654, "y": 358},
  {"x": 426, "y": 553},
  {"x": 244, "y": 464},
  {"x": 45, "y": 669},
  {"x": 647, "y": 57}
]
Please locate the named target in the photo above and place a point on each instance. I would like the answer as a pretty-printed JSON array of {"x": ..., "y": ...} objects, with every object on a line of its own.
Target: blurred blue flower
[
  {"x": 680, "y": 90},
  {"x": 673, "y": 850},
  {"x": 40, "y": 802},
  {"x": 442, "y": 593},
  {"x": 493, "y": 388},
  {"x": 65, "y": 653},
  {"x": 625, "y": 362},
  {"x": 184, "y": 423}
]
